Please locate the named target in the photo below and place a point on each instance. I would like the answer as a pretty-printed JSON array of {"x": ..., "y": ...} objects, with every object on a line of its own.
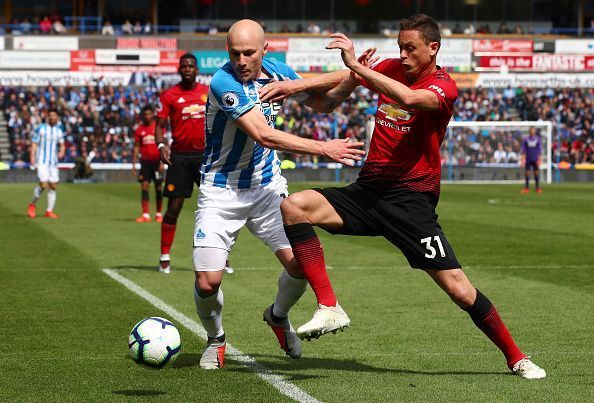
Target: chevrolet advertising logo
[{"x": 395, "y": 112}]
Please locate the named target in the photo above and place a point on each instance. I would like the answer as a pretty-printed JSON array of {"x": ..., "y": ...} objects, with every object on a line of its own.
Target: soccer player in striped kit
[
  {"x": 242, "y": 185},
  {"x": 47, "y": 148}
]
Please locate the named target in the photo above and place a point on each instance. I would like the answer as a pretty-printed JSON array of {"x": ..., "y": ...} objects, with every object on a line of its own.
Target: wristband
[{"x": 161, "y": 145}]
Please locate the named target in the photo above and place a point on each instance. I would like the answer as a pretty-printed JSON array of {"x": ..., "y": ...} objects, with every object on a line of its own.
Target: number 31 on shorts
[{"x": 431, "y": 250}]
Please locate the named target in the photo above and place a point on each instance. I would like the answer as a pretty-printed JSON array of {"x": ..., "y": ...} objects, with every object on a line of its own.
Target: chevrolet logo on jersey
[
  {"x": 395, "y": 112},
  {"x": 194, "y": 111}
]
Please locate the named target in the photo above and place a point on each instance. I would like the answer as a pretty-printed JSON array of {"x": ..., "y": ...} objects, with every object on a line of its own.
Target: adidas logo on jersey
[
  {"x": 181, "y": 100},
  {"x": 200, "y": 234}
]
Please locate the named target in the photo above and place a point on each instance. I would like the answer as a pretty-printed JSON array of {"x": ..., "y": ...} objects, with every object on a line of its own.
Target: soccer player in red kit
[
  {"x": 184, "y": 106},
  {"x": 398, "y": 188},
  {"x": 151, "y": 168}
]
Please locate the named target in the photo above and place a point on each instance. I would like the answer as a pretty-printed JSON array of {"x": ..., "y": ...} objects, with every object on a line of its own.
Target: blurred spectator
[
  {"x": 127, "y": 27},
  {"x": 445, "y": 30},
  {"x": 313, "y": 28},
  {"x": 107, "y": 29},
  {"x": 137, "y": 29},
  {"x": 45, "y": 25},
  {"x": 518, "y": 30},
  {"x": 58, "y": 27},
  {"x": 147, "y": 28},
  {"x": 15, "y": 27},
  {"x": 25, "y": 26},
  {"x": 457, "y": 29},
  {"x": 503, "y": 28}
]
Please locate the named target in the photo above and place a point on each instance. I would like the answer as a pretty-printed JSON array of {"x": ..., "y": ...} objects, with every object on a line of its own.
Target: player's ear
[
  {"x": 265, "y": 48},
  {"x": 433, "y": 48}
]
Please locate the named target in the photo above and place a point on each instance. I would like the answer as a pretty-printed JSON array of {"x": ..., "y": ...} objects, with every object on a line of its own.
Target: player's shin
[
  {"x": 487, "y": 319},
  {"x": 210, "y": 308},
  {"x": 290, "y": 289},
  {"x": 168, "y": 227},
  {"x": 159, "y": 199},
  {"x": 51, "y": 199},
  {"x": 145, "y": 202},
  {"x": 36, "y": 194},
  {"x": 310, "y": 256}
]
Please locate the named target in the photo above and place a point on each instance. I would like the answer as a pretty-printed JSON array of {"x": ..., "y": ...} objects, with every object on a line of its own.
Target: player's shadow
[
  {"x": 148, "y": 268},
  {"x": 138, "y": 392},
  {"x": 287, "y": 366}
]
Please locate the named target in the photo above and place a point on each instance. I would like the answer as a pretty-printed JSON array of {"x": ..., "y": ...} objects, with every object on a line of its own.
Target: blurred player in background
[
  {"x": 531, "y": 150},
  {"x": 183, "y": 104},
  {"x": 242, "y": 185},
  {"x": 151, "y": 168},
  {"x": 47, "y": 147},
  {"x": 398, "y": 188}
]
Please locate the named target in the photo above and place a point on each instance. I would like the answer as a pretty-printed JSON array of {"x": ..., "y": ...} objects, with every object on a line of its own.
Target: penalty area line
[{"x": 276, "y": 381}]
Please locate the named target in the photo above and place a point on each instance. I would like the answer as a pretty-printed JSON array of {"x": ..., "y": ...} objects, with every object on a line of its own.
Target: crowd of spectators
[{"x": 98, "y": 121}]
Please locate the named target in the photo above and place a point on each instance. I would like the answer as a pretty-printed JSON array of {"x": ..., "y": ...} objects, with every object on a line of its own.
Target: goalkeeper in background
[{"x": 531, "y": 150}]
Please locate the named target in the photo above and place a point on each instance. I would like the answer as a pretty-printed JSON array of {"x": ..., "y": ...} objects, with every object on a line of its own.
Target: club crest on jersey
[
  {"x": 395, "y": 112},
  {"x": 230, "y": 99}
]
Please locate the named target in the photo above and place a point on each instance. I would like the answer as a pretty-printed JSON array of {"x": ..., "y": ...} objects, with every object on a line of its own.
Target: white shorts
[
  {"x": 223, "y": 212},
  {"x": 48, "y": 173}
]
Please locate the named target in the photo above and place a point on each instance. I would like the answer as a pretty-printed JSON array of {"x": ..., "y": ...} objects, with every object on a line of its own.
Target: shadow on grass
[
  {"x": 149, "y": 268},
  {"x": 138, "y": 392}
]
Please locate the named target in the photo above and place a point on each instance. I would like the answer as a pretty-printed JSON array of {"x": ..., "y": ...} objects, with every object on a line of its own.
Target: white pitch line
[{"x": 283, "y": 386}]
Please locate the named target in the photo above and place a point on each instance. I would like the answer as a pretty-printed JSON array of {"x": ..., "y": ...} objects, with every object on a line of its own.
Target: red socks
[
  {"x": 310, "y": 256},
  {"x": 485, "y": 317},
  {"x": 167, "y": 235},
  {"x": 145, "y": 201}
]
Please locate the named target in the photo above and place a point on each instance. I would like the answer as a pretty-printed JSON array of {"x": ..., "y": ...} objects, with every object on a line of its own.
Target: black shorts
[
  {"x": 406, "y": 219},
  {"x": 183, "y": 172},
  {"x": 149, "y": 171}
]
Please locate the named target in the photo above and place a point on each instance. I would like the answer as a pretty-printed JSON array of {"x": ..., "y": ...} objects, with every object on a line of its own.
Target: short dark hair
[
  {"x": 50, "y": 110},
  {"x": 146, "y": 108},
  {"x": 426, "y": 26},
  {"x": 188, "y": 56}
]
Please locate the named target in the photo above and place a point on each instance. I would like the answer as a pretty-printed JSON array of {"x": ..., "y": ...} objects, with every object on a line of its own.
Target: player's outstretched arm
[
  {"x": 340, "y": 150},
  {"x": 276, "y": 91},
  {"x": 409, "y": 98},
  {"x": 135, "y": 152}
]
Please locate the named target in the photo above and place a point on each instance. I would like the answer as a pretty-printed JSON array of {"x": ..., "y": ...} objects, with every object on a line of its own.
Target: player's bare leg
[
  {"x": 291, "y": 286},
  {"x": 208, "y": 297},
  {"x": 144, "y": 202},
  {"x": 526, "y": 181},
  {"x": 484, "y": 315},
  {"x": 37, "y": 192},
  {"x": 159, "y": 201},
  {"x": 168, "y": 227},
  {"x": 51, "y": 201},
  {"x": 300, "y": 212}
]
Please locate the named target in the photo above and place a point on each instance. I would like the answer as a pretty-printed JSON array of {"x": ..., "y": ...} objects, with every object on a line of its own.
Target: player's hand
[
  {"x": 367, "y": 59},
  {"x": 347, "y": 49},
  {"x": 32, "y": 166},
  {"x": 165, "y": 152},
  {"x": 344, "y": 151},
  {"x": 276, "y": 91},
  {"x": 134, "y": 172}
]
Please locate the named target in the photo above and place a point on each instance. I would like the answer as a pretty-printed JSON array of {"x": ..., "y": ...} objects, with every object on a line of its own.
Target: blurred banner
[
  {"x": 502, "y": 45},
  {"x": 14, "y": 59},
  {"x": 1, "y": 43},
  {"x": 61, "y": 78},
  {"x": 85, "y": 60},
  {"x": 544, "y": 62},
  {"x": 573, "y": 46},
  {"x": 39, "y": 42},
  {"x": 536, "y": 80},
  {"x": 146, "y": 43}
]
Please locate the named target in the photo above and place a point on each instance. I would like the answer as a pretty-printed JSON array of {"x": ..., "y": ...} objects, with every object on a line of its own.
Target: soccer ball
[{"x": 154, "y": 342}]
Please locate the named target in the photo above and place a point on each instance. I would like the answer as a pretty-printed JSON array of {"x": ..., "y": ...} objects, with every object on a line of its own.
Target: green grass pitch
[{"x": 64, "y": 323}]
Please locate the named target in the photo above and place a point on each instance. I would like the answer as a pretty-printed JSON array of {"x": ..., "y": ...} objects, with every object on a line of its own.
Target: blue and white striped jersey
[
  {"x": 48, "y": 139},
  {"x": 231, "y": 158}
]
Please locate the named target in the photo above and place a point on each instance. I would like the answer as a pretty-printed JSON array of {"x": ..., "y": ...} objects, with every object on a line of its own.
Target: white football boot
[
  {"x": 527, "y": 369},
  {"x": 164, "y": 266},
  {"x": 325, "y": 319},
  {"x": 213, "y": 356},
  {"x": 229, "y": 270},
  {"x": 285, "y": 334}
]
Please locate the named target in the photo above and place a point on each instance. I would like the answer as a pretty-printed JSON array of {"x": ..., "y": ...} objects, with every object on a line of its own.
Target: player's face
[
  {"x": 188, "y": 70},
  {"x": 52, "y": 117},
  {"x": 246, "y": 59},
  {"x": 147, "y": 117},
  {"x": 416, "y": 55}
]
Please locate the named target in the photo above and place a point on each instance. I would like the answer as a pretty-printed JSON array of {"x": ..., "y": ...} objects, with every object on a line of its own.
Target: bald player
[{"x": 241, "y": 184}]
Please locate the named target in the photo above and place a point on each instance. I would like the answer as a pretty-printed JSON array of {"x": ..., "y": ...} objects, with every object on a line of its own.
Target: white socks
[
  {"x": 290, "y": 289},
  {"x": 51, "y": 199},
  {"x": 36, "y": 194},
  {"x": 209, "y": 310}
]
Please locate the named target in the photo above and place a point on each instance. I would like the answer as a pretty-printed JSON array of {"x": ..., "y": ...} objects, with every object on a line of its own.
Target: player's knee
[
  {"x": 293, "y": 208},
  {"x": 207, "y": 286}
]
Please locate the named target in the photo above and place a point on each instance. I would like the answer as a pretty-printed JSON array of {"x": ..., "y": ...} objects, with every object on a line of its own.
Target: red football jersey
[
  {"x": 404, "y": 150},
  {"x": 186, "y": 111},
  {"x": 144, "y": 136}
]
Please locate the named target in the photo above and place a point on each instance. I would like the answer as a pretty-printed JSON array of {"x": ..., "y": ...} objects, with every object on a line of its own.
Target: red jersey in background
[
  {"x": 185, "y": 110},
  {"x": 144, "y": 136},
  {"x": 404, "y": 150}
]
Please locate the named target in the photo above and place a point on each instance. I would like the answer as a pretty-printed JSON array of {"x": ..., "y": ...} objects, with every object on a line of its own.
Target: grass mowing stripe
[{"x": 276, "y": 381}]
